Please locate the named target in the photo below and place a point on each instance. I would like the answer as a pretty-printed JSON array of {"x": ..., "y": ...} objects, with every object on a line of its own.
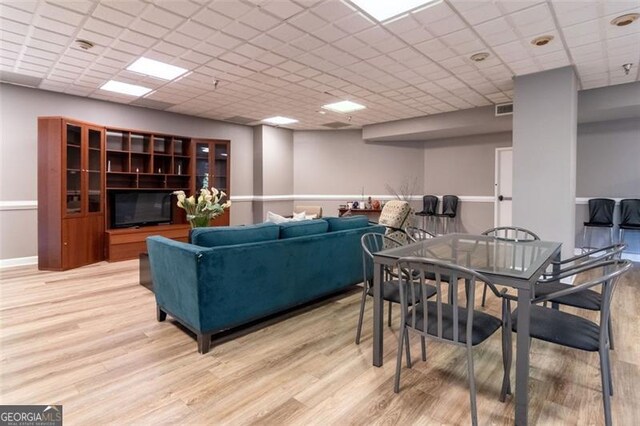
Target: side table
[{"x": 145, "y": 272}]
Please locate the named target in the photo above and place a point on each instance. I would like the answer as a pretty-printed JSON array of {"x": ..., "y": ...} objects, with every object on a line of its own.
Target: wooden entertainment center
[{"x": 80, "y": 166}]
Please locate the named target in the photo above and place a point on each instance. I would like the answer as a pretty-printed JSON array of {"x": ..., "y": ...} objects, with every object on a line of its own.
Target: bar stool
[
  {"x": 449, "y": 212},
  {"x": 629, "y": 216},
  {"x": 429, "y": 210},
  {"x": 600, "y": 216}
]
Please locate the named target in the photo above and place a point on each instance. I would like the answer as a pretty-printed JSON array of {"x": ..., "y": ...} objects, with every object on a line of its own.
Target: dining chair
[
  {"x": 429, "y": 210},
  {"x": 629, "y": 216},
  {"x": 373, "y": 243},
  {"x": 573, "y": 331},
  {"x": 600, "y": 216},
  {"x": 395, "y": 217},
  {"x": 508, "y": 233},
  {"x": 418, "y": 234},
  {"x": 449, "y": 212},
  {"x": 452, "y": 323},
  {"x": 589, "y": 299}
]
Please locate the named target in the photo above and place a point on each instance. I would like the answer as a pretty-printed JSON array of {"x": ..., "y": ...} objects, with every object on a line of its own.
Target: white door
[{"x": 503, "y": 185}]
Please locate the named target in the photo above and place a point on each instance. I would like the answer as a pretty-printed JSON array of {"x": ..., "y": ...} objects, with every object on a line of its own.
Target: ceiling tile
[
  {"x": 161, "y": 17},
  {"x": 180, "y": 7},
  {"x": 283, "y": 9},
  {"x": 232, "y": 9},
  {"x": 260, "y": 20},
  {"x": 353, "y": 23},
  {"x": 307, "y": 21}
]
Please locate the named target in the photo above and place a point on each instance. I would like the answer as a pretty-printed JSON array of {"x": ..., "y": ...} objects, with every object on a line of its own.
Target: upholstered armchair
[
  {"x": 309, "y": 210},
  {"x": 395, "y": 217}
]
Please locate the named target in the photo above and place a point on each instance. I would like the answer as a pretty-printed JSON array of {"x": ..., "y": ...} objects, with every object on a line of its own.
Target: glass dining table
[{"x": 516, "y": 264}]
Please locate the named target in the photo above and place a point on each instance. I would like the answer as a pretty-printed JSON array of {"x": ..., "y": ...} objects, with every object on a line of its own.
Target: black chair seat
[
  {"x": 562, "y": 328},
  {"x": 630, "y": 226},
  {"x": 391, "y": 291},
  {"x": 598, "y": 224},
  {"x": 432, "y": 277},
  {"x": 484, "y": 325},
  {"x": 422, "y": 214},
  {"x": 587, "y": 299}
]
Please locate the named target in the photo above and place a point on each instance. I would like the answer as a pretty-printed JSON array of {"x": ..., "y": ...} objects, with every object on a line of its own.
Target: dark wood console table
[{"x": 373, "y": 214}]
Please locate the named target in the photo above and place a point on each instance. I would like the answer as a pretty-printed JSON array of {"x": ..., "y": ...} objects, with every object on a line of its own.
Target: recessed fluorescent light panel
[
  {"x": 280, "y": 120},
  {"x": 383, "y": 10},
  {"x": 344, "y": 106},
  {"x": 156, "y": 69},
  {"x": 125, "y": 88}
]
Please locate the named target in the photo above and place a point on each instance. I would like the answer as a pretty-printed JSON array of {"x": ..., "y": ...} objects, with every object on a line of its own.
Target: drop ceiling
[{"x": 290, "y": 57}]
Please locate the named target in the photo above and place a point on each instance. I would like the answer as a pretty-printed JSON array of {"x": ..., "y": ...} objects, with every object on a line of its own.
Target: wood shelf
[{"x": 128, "y": 243}]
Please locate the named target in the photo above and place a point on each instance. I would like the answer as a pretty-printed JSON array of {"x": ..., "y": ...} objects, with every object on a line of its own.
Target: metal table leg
[
  {"x": 522, "y": 357},
  {"x": 377, "y": 315}
]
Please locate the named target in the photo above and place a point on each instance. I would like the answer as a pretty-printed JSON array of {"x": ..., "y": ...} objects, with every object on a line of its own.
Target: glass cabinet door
[
  {"x": 220, "y": 167},
  {"x": 73, "y": 190},
  {"x": 94, "y": 171},
  {"x": 202, "y": 166}
]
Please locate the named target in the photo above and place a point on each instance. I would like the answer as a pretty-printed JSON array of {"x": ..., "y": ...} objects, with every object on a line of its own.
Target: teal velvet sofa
[{"x": 229, "y": 276}]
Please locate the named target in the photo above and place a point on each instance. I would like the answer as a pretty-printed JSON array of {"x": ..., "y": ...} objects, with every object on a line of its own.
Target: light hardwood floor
[{"x": 88, "y": 339}]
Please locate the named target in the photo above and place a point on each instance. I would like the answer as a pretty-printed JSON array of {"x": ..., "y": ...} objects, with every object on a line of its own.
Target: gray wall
[
  {"x": 609, "y": 159},
  {"x": 465, "y": 166},
  {"x": 20, "y": 109},
  {"x": 338, "y": 164},
  {"x": 341, "y": 162},
  {"x": 608, "y": 166},
  {"x": 545, "y": 122},
  {"x": 273, "y": 171}
]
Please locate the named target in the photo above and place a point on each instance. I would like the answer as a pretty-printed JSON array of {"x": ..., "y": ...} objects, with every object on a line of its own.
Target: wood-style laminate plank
[{"x": 88, "y": 339}]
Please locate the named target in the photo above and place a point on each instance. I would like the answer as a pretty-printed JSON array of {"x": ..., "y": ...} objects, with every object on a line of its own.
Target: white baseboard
[{"x": 18, "y": 261}]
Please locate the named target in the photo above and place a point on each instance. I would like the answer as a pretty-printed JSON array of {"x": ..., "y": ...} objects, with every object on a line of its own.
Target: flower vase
[{"x": 198, "y": 221}]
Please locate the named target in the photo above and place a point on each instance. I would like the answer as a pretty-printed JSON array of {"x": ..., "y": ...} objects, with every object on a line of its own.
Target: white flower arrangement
[{"x": 209, "y": 205}]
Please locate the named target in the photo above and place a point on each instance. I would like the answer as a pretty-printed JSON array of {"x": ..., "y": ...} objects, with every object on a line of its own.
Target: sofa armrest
[{"x": 174, "y": 270}]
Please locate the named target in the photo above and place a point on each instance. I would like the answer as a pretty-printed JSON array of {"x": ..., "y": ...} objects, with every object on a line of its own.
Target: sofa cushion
[
  {"x": 232, "y": 235},
  {"x": 344, "y": 223},
  {"x": 303, "y": 228}
]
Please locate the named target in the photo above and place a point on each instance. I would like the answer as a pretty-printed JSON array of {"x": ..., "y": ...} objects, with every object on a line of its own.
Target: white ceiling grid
[{"x": 289, "y": 57}]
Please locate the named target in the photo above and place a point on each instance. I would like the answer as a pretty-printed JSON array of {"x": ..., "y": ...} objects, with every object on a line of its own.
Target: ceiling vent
[
  {"x": 238, "y": 119},
  {"x": 19, "y": 79},
  {"x": 336, "y": 125},
  {"x": 504, "y": 109}
]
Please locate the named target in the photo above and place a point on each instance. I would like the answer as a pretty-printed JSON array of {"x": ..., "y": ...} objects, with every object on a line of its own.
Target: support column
[
  {"x": 545, "y": 123},
  {"x": 272, "y": 171}
]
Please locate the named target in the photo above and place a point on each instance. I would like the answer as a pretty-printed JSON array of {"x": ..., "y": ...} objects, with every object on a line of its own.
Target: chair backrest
[
  {"x": 450, "y": 205},
  {"x": 601, "y": 211},
  {"x": 309, "y": 210},
  {"x": 607, "y": 275},
  {"x": 418, "y": 234},
  {"x": 630, "y": 212},
  {"x": 511, "y": 233},
  {"x": 395, "y": 216},
  {"x": 419, "y": 268},
  {"x": 430, "y": 205},
  {"x": 373, "y": 242}
]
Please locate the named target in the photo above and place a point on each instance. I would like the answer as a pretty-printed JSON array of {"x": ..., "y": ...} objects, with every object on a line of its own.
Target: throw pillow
[
  {"x": 275, "y": 218},
  {"x": 299, "y": 216}
]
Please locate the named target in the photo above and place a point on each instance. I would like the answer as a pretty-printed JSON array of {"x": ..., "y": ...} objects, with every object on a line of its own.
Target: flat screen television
[{"x": 139, "y": 207}]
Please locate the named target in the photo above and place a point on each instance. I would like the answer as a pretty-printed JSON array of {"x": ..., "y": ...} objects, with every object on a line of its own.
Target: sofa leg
[
  {"x": 160, "y": 314},
  {"x": 204, "y": 343}
]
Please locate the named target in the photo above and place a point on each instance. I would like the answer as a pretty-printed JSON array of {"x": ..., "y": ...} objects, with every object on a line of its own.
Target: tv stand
[{"x": 128, "y": 243}]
